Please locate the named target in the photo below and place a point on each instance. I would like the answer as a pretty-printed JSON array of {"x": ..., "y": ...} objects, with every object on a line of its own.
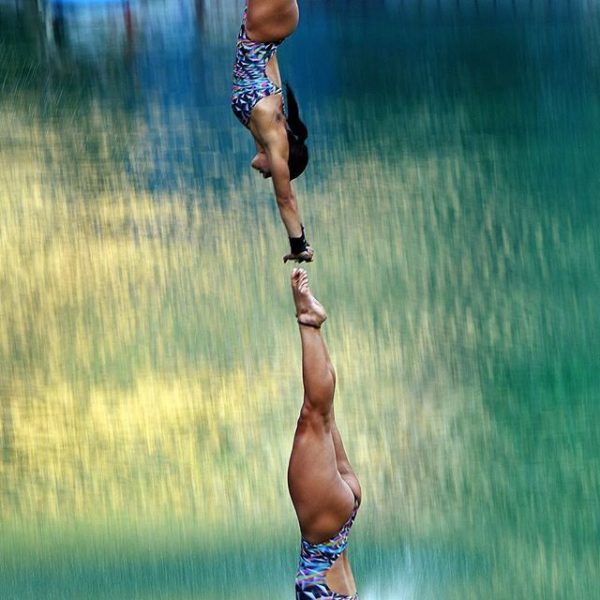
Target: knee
[{"x": 315, "y": 413}]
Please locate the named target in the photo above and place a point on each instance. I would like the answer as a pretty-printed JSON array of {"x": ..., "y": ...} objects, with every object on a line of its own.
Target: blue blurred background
[{"x": 149, "y": 366}]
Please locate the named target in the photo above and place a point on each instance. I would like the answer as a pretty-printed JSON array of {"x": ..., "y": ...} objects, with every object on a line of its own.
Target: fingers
[{"x": 299, "y": 258}]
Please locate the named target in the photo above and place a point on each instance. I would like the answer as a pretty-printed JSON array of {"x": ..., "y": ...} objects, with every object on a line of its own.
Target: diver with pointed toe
[{"x": 323, "y": 487}]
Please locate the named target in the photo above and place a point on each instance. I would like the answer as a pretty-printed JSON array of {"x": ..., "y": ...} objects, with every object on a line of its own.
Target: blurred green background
[{"x": 149, "y": 361}]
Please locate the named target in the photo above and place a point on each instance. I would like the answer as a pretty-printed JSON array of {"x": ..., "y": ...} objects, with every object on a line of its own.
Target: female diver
[
  {"x": 257, "y": 101},
  {"x": 323, "y": 487}
]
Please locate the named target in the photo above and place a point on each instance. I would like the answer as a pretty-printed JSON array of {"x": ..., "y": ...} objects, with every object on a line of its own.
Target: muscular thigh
[
  {"x": 271, "y": 20},
  {"x": 322, "y": 499}
]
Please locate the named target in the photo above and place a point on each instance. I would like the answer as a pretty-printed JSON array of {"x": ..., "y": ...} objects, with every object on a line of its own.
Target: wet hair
[{"x": 297, "y": 134}]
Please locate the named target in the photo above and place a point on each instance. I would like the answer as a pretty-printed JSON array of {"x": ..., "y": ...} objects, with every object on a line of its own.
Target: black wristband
[{"x": 298, "y": 244}]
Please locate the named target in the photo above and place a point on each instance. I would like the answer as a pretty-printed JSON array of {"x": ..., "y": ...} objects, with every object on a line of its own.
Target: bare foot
[
  {"x": 309, "y": 310},
  {"x": 304, "y": 256}
]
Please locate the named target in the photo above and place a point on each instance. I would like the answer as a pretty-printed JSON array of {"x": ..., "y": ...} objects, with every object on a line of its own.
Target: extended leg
[
  {"x": 318, "y": 374},
  {"x": 321, "y": 497}
]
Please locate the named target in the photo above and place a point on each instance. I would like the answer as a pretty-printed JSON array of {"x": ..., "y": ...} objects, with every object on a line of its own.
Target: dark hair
[{"x": 297, "y": 134}]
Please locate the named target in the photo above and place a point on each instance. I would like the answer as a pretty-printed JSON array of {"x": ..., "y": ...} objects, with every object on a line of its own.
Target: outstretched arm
[
  {"x": 284, "y": 193},
  {"x": 276, "y": 147},
  {"x": 269, "y": 129},
  {"x": 300, "y": 251}
]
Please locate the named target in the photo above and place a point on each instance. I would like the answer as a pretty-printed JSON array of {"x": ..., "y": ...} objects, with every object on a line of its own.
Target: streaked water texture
[{"x": 149, "y": 361}]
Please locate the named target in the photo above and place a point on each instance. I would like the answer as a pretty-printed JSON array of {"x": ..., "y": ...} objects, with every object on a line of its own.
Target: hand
[{"x": 305, "y": 256}]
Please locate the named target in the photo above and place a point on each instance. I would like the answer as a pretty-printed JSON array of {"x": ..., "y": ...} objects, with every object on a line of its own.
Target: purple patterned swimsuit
[
  {"x": 316, "y": 560},
  {"x": 250, "y": 81}
]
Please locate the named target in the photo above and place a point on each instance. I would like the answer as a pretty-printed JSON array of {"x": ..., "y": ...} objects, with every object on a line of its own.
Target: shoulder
[
  {"x": 269, "y": 108},
  {"x": 267, "y": 121}
]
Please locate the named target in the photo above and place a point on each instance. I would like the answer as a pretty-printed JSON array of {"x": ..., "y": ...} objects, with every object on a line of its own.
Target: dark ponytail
[{"x": 297, "y": 134}]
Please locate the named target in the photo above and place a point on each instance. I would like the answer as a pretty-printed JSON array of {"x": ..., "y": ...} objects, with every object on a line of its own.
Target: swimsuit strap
[{"x": 243, "y": 27}]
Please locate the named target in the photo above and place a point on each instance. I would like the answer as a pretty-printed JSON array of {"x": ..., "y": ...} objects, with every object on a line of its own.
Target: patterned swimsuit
[
  {"x": 250, "y": 81},
  {"x": 316, "y": 560}
]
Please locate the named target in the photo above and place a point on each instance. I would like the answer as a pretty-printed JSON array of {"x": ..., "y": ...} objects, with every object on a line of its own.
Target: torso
[
  {"x": 265, "y": 24},
  {"x": 251, "y": 80}
]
